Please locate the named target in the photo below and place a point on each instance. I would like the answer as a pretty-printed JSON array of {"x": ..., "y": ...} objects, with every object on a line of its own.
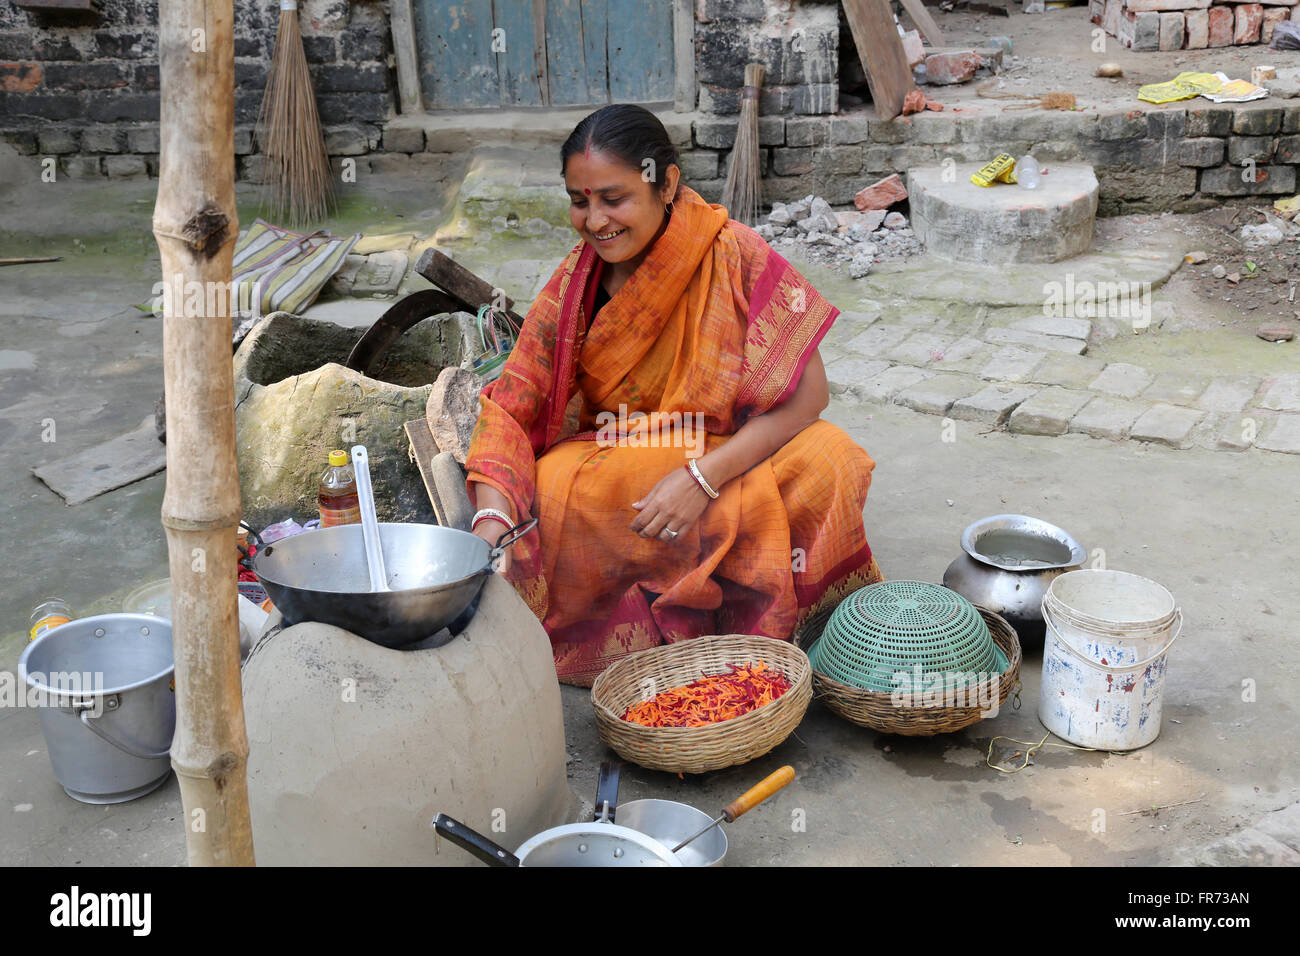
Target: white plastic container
[{"x": 1104, "y": 655}]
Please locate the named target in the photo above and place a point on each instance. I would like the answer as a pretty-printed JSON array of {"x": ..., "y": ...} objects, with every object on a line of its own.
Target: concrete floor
[{"x": 1214, "y": 528}]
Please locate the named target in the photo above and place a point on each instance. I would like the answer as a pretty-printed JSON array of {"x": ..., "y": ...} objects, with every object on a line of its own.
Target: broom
[
  {"x": 742, "y": 194},
  {"x": 297, "y": 173}
]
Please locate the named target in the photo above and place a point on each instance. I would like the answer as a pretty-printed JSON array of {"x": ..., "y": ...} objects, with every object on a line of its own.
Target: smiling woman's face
[{"x": 612, "y": 207}]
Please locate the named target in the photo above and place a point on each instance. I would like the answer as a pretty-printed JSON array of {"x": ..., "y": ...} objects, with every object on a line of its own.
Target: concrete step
[{"x": 1003, "y": 223}]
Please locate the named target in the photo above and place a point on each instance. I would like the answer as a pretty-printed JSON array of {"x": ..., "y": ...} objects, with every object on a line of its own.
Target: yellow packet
[
  {"x": 1182, "y": 87},
  {"x": 1001, "y": 168}
]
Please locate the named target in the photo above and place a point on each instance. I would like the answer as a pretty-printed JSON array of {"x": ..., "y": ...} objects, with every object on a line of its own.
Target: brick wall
[{"x": 84, "y": 87}]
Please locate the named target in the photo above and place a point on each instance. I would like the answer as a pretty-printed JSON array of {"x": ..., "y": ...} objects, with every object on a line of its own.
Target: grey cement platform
[{"x": 1003, "y": 223}]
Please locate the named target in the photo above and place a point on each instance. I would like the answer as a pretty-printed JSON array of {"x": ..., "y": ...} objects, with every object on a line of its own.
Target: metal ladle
[{"x": 369, "y": 521}]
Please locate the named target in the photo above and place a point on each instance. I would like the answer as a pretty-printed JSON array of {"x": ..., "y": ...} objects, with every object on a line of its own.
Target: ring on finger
[{"x": 670, "y": 532}]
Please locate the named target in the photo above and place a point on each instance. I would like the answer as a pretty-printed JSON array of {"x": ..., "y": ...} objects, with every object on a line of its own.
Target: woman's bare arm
[{"x": 763, "y": 435}]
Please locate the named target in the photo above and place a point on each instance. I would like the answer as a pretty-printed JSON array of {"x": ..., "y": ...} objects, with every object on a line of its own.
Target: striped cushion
[{"x": 277, "y": 270}]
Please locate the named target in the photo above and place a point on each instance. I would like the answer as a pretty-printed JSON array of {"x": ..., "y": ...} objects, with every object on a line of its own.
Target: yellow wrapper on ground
[
  {"x": 1288, "y": 208},
  {"x": 1001, "y": 169},
  {"x": 1182, "y": 87}
]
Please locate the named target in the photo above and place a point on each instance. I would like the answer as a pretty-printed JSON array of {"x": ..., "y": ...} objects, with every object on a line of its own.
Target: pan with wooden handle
[{"x": 746, "y": 802}]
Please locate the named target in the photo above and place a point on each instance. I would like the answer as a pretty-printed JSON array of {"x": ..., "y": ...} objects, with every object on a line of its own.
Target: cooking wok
[{"x": 434, "y": 575}]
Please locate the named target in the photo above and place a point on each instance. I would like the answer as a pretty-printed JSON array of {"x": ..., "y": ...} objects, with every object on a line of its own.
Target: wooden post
[{"x": 195, "y": 224}]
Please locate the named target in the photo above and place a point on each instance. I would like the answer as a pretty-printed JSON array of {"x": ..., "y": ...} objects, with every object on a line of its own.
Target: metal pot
[
  {"x": 670, "y": 823},
  {"x": 1010, "y": 562},
  {"x": 434, "y": 575}
]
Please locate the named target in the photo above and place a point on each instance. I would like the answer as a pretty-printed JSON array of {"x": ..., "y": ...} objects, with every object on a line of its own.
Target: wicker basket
[
  {"x": 700, "y": 749},
  {"x": 876, "y": 709}
]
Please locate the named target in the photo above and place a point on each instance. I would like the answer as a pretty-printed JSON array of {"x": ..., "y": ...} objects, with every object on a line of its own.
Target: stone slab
[
  {"x": 936, "y": 395},
  {"x": 1284, "y": 436},
  {"x": 1283, "y": 393},
  {"x": 883, "y": 386},
  {"x": 1122, "y": 379},
  {"x": 1106, "y": 417},
  {"x": 1070, "y": 371},
  {"x": 1035, "y": 340},
  {"x": 106, "y": 466},
  {"x": 921, "y": 348},
  {"x": 967, "y": 353},
  {"x": 1055, "y": 325},
  {"x": 1166, "y": 425},
  {"x": 1012, "y": 364},
  {"x": 1176, "y": 388},
  {"x": 959, "y": 220},
  {"x": 1237, "y": 433},
  {"x": 992, "y": 404},
  {"x": 382, "y": 273},
  {"x": 845, "y": 373},
  {"x": 1049, "y": 412},
  {"x": 877, "y": 340}
]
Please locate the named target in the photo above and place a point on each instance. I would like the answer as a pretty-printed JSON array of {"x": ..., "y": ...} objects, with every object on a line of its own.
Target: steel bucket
[{"x": 103, "y": 689}]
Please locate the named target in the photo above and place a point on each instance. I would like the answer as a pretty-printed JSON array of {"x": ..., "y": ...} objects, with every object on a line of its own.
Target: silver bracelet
[
  {"x": 491, "y": 513},
  {"x": 695, "y": 473}
]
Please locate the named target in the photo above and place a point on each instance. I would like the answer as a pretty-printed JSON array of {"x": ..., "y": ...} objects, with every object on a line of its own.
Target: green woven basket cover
[{"x": 888, "y": 628}]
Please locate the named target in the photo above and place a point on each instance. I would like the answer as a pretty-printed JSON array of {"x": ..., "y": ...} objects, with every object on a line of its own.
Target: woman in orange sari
[{"x": 659, "y": 415}]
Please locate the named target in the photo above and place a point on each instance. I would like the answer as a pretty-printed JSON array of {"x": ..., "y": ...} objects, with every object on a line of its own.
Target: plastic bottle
[
  {"x": 338, "y": 493},
  {"x": 1027, "y": 174},
  {"x": 48, "y": 615}
]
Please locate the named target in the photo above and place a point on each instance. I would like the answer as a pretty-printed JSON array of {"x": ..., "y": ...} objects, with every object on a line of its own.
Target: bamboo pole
[{"x": 195, "y": 224}]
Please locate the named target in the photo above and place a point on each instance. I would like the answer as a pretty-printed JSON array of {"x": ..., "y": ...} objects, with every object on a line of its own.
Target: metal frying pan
[
  {"x": 574, "y": 844},
  {"x": 434, "y": 574}
]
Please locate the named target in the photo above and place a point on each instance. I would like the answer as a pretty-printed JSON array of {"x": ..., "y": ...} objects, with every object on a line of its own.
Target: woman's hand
[
  {"x": 485, "y": 496},
  {"x": 674, "y": 504}
]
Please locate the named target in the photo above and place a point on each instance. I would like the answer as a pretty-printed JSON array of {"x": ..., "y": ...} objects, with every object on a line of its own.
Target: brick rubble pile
[{"x": 1190, "y": 24}]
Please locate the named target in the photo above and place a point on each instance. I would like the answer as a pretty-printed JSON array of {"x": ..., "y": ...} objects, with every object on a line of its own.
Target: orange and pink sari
[{"x": 713, "y": 328}]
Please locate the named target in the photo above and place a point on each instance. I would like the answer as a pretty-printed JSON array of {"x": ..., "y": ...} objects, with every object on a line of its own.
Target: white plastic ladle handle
[{"x": 369, "y": 522}]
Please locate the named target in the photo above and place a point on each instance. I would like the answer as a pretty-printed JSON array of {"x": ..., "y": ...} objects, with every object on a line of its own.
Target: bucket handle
[
  {"x": 86, "y": 721},
  {"x": 1112, "y": 668}
]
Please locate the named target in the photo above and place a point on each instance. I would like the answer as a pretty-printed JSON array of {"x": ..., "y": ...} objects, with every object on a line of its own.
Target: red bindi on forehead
[{"x": 587, "y": 191}]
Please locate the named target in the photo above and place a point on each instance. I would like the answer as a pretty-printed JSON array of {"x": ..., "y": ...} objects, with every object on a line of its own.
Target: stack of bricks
[{"x": 1190, "y": 24}]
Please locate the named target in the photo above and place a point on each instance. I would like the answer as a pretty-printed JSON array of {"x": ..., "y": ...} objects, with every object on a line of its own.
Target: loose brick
[
  {"x": 913, "y": 49},
  {"x": 1201, "y": 151},
  {"x": 1173, "y": 31},
  {"x": 1221, "y": 25},
  {"x": 1198, "y": 29},
  {"x": 1249, "y": 19},
  {"x": 1272, "y": 17},
  {"x": 882, "y": 194},
  {"x": 945, "y": 69},
  {"x": 1139, "y": 31},
  {"x": 1159, "y": 6}
]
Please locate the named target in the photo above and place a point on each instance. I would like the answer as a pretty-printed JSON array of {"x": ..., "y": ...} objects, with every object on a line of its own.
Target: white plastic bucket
[{"x": 1108, "y": 634}]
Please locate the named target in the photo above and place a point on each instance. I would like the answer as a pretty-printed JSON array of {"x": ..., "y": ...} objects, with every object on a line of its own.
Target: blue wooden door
[{"x": 481, "y": 54}]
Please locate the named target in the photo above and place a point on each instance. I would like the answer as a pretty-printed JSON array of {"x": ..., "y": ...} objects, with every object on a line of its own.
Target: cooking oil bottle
[{"x": 338, "y": 493}]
